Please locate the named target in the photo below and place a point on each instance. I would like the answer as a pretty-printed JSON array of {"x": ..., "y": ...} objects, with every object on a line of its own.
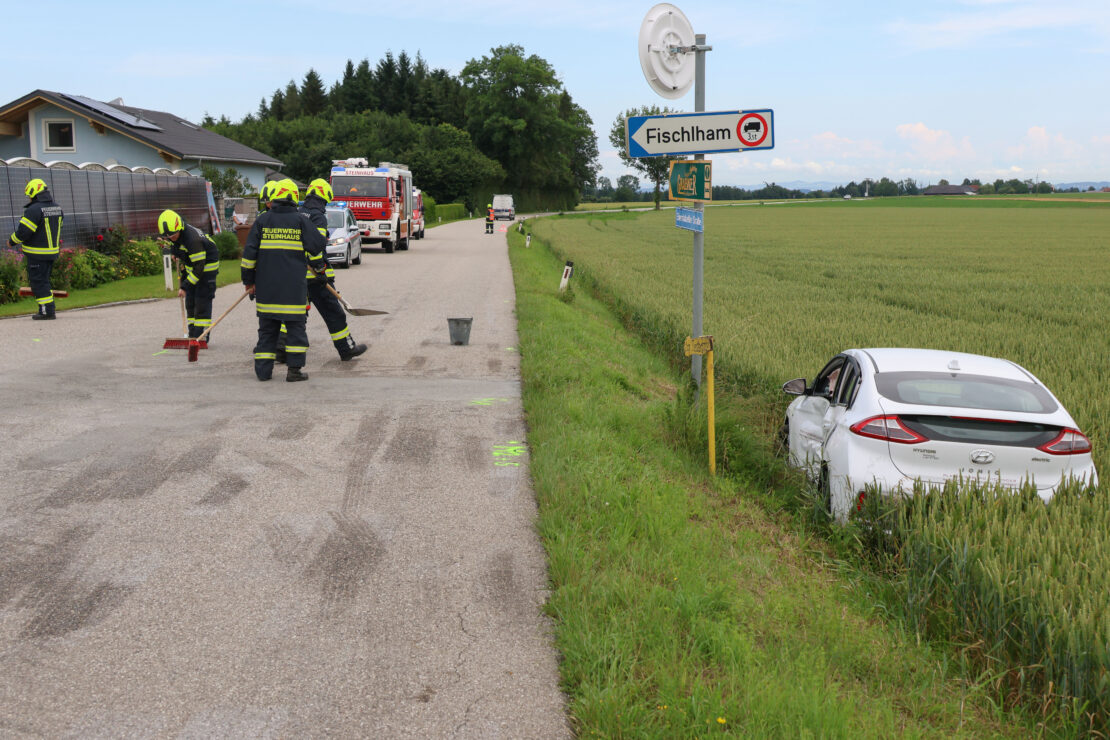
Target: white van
[{"x": 503, "y": 208}]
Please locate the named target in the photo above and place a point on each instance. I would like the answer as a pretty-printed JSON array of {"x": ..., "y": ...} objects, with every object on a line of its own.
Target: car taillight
[
  {"x": 1067, "y": 442},
  {"x": 889, "y": 428}
]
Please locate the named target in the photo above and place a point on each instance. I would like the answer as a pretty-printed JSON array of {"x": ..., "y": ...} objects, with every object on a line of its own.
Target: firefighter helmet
[
  {"x": 321, "y": 188},
  {"x": 169, "y": 223},
  {"x": 285, "y": 190},
  {"x": 34, "y": 187},
  {"x": 265, "y": 191}
]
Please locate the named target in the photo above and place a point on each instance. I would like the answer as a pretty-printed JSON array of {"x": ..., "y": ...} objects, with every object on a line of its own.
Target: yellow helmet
[
  {"x": 34, "y": 187},
  {"x": 265, "y": 191},
  {"x": 285, "y": 190},
  {"x": 169, "y": 223},
  {"x": 322, "y": 188}
]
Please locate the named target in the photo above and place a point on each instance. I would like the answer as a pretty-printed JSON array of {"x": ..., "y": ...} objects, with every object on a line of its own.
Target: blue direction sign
[
  {"x": 699, "y": 133},
  {"x": 689, "y": 219}
]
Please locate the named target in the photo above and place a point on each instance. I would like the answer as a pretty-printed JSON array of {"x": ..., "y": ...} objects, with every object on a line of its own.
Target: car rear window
[
  {"x": 965, "y": 391},
  {"x": 981, "y": 431}
]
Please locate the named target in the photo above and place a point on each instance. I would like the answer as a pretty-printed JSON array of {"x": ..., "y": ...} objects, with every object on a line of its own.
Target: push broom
[
  {"x": 195, "y": 345},
  {"x": 175, "y": 343},
  {"x": 25, "y": 291}
]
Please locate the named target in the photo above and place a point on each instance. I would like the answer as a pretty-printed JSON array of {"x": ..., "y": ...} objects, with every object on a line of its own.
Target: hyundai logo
[{"x": 982, "y": 457}]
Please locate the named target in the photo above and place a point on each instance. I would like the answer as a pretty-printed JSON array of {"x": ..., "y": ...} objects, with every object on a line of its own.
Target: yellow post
[
  {"x": 712, "y": 441},
  {"x": 704, "y": 346}
]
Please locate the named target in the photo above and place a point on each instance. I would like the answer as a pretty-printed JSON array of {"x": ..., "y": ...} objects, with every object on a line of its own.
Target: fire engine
[
  {"x": 417, "y": 213},
  {"x": 381, "y": 199}
]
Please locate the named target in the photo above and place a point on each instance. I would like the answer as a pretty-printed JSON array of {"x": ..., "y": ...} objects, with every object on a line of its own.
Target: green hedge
[
  {"x": 449, "y": 212},
  {"x": 228, "y": 243},
  {"x": 11, "y": 275},
  {"x": 78, "y": 269}
]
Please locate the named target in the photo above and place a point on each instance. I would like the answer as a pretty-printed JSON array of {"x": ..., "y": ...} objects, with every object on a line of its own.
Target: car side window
[
  {"x": 849, "y": 384},
  {"x": 827, "y": 380}
]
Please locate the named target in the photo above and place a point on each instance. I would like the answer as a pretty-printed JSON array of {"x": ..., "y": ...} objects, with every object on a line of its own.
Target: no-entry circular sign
[{"x": 752, "y": 129}]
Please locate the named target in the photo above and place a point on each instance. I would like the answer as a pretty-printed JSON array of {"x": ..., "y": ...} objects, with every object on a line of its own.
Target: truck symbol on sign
[{"x": 755, "y": 126}]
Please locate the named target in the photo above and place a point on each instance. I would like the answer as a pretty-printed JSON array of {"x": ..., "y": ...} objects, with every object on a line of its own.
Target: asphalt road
[{"x": 187, "y": 552}]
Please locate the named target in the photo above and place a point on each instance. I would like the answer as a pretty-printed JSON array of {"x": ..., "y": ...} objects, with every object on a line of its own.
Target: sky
[{"x": 947, "y": 89}]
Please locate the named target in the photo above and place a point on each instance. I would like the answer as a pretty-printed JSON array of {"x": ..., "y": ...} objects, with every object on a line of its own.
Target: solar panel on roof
[{"x": 113, "y": 113}]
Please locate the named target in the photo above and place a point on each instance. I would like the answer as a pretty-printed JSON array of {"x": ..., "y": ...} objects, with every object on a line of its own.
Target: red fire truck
[
  {"x": 380, "y": 198},
  {"x": 417, "y": 213}
]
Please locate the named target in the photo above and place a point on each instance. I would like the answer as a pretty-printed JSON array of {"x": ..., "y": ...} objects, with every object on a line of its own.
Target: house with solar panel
[{"x": 50, "y": 126}]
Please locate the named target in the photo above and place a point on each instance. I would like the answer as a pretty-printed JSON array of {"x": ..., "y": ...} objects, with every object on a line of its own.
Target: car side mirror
[{"x": 795, "y": 387}]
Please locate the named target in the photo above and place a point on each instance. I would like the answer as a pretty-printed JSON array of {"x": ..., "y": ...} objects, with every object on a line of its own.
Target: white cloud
[
  {"x": 934, "y": 144},
  {"x": 990, "y": 21},
  {"x": 1039, "y": 143}
]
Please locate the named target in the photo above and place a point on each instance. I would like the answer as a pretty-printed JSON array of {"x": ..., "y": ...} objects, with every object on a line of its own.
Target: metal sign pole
[{"x": 699, "y": 236}]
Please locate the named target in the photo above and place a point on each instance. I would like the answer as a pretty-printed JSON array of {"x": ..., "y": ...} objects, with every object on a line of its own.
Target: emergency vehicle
[
  {"x": 381, "y": 199},
  {"x": 417, "y": 213}
]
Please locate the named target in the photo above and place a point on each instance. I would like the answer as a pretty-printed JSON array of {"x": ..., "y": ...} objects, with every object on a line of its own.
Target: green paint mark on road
[
  {"x": 488, "y": 401},
  {"x": 162, "y": 352},
  {"x": 502, "y": 452}
]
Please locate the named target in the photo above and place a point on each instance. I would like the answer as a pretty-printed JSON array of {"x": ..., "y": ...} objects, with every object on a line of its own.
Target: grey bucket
[{"x": 460, "y": 330}]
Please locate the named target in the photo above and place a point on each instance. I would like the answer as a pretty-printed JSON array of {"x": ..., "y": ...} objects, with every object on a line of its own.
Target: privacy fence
[{"x": 95, "y": 197}]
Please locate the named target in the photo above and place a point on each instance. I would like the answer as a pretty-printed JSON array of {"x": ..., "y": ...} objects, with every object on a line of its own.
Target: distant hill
[
  {"x": 1082, "y": 185},
  {"x": 807, "y": 187}
]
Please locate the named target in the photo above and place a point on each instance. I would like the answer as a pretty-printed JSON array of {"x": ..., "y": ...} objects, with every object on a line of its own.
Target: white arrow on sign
[{"x": 699, "y": 133}]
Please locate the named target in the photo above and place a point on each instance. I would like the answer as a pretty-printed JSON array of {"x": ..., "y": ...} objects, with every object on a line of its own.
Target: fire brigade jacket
[
  {"x": 198, "y": 256},
  {"x": 40, "y": 230},
  {"x": 313, "y": 207},
  {"x": 489, "y": 214},
  {"x": 274, "y": 261}
]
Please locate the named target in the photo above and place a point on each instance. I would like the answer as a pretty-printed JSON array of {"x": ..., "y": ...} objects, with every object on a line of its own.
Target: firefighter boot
[
  {"x": 293, "y": 374},
  {"x": 348, "y": 350},
  {"x": 46, "y": 312}
]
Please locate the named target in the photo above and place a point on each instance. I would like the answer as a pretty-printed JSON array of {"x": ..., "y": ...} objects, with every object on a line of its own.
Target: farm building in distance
[{"x": 950, "y": 190}]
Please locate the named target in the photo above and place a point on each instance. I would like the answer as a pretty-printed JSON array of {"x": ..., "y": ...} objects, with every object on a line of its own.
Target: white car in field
[{"x": 890, "y": 417}]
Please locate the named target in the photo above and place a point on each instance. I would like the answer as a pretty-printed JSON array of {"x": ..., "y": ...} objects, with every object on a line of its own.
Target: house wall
[
  {"x": 107, "y": 148},
  {"x": 15, "y": 146},
  {"x": 254, "y": 173},
  {"x": 88, "y": 145}
]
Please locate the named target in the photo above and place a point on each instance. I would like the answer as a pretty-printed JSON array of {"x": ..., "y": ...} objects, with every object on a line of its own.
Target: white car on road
[
  {"x": 890, "y": 417},
  {"x": 344, "y": 246}
]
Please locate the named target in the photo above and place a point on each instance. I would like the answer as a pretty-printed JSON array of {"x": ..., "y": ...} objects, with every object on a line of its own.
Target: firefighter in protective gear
[
  {"x": 199, "y": 260},
  {"x": 278, "y": 246},
  {"x": 489, "y": 218},
  {"x": 316, "y": 200},
  {"x": 264, "y": 196},
  {"x": 39, "y": 233}
]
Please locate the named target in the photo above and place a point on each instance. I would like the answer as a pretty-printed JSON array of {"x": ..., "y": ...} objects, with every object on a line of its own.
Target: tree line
[
  {"x": 504, "y": 124},
  {"x": 627, "y": 189}
]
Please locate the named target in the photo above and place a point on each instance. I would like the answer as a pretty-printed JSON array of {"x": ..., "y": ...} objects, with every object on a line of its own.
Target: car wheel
[
  {"x": 388, "y": 246},
  {"x": 358, "y": 254},
  {"x": 346, "y": 263}
]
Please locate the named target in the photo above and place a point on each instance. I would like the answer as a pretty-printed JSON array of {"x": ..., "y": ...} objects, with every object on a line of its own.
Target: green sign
[{"x": 691, "y": 180}]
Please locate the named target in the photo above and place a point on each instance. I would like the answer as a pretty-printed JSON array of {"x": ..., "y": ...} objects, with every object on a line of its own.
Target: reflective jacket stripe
[{"x": 281, "y": 308}]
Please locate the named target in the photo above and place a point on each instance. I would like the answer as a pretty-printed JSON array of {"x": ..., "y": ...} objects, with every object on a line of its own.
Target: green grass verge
[
  {"x": 129, "y": 289},
  {"x": 685, "y": 606}
]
